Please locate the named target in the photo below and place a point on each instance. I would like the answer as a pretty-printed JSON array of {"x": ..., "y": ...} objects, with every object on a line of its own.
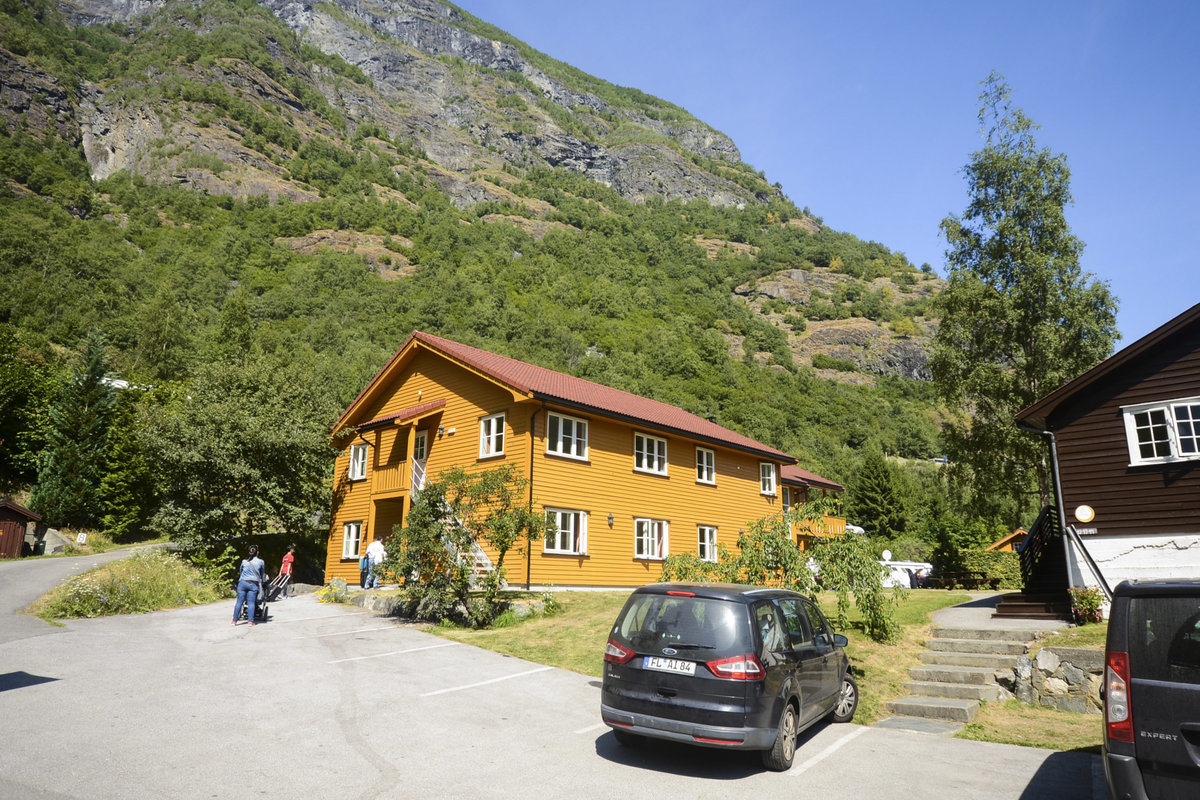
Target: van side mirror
[{"x": 839, "y": 640}]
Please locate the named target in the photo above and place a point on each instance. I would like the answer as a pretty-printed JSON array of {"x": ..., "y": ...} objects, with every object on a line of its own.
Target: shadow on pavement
[
  {"x": 19, "y": 680},
  {"x": 1061, "y": 776}
]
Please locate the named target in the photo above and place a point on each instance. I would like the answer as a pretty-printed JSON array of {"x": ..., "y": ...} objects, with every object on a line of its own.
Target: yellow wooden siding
[
  {"x": 469, "y": 398},
  {"x": 608, "y": 483}
]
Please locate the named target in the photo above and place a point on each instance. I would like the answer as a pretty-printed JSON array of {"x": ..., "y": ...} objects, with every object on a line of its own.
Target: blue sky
[{"x": 865, "y": 112}]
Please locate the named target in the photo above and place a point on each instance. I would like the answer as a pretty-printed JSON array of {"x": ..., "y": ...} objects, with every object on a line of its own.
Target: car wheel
[
  {"x": 779, "y": 757},
  {"x": 625, "y": 738},
  {"x": 847, "y": 700}
]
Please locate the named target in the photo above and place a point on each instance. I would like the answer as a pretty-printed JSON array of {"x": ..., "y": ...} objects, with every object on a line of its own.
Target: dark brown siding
[{"x": 1094, "y": 456}]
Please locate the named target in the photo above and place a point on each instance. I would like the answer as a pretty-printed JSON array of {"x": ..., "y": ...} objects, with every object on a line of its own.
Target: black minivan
[
  {"x": 1152, "y": 691},
  {"x": 725, "y": 666}
]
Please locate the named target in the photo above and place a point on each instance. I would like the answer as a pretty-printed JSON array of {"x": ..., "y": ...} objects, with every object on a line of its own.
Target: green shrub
[
  {"x": 1000, "y": 564},
  {"x": 822, "y": 361},
  {"x": 149, "y": 580}
]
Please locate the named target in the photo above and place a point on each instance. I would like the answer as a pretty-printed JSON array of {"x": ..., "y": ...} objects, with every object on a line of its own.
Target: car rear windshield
[
  {"x": 650, "y": 622},
  {"x": 1164, "y": 638}
]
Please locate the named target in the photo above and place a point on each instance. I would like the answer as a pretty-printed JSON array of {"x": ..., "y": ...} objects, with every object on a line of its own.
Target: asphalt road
[{"x": 328, "y": 701}]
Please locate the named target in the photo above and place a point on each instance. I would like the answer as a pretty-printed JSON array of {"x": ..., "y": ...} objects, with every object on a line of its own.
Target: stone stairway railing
[{"x": 960, "y": 668}]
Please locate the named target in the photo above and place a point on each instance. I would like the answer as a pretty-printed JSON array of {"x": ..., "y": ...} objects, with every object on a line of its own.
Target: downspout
[{"x": 532, "y": 446}]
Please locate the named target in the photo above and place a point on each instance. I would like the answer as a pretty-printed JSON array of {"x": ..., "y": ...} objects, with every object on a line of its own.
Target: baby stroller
[
  {"x": 260, "y": 606},
  {"x": 278, "y": 587}
]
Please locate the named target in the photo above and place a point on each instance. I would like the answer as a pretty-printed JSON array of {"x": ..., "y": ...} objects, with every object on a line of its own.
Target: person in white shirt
[{"x": 375, "y": 556}]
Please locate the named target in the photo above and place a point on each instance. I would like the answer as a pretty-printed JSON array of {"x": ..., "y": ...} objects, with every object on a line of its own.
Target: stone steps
[{"x": 958, "y": 671}]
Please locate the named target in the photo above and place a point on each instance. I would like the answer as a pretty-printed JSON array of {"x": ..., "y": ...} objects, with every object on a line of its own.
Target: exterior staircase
[
  {"x": 958, "y": 672},
  {"x": 1043, "y": 575}
]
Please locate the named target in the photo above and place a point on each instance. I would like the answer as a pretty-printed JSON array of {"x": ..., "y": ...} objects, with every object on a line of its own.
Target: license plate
[{"x": 676, "y": 665}]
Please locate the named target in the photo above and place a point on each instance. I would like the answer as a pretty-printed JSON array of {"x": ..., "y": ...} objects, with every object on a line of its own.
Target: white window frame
[
  {"x": 651, "y": 539},
  {"x": 706, "y": 543},
  {"x": 351, "y": 544},
  {"x": 649, "y": 454},
  {"x": 785, "y": 498},
  {"x": 358, "y": 462},
  {"x": 706, "y": 466},
  {"x": 1181, "y": 421},
  {"x": 560, "y": 540},
  {"x": 491, "y": 435},
  {"x": 420, "y": 445},
  {"x": 767, "y": 478},
  {"x": 560, "y": 443}
]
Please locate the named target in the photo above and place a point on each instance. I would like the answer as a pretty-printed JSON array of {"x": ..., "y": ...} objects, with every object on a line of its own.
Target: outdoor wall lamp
[
  {"x": 1085, "y": 514},
  {"x": 441, "y": 430},
  {"x": 610, "y": 519}
]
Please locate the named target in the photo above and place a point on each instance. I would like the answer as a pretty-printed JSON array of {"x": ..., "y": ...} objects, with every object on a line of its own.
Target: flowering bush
[{"x": 1086, "y": 602}]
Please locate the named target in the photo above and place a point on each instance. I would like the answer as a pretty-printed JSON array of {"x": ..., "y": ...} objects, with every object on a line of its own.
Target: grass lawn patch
[{"x": 1013, "y": 722}]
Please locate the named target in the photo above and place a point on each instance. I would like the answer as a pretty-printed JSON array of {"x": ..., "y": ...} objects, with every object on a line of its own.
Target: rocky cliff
[{"x": 469, "y": 102}]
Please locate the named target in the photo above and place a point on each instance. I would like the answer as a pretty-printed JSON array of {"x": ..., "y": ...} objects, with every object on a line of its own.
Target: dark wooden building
[
  {"x": 1126, "y": 439},
  {"x": 13, "y": 521}
]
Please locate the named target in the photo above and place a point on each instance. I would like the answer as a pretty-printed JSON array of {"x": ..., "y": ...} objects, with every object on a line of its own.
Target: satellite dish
[{"x": 887, "y": 555}]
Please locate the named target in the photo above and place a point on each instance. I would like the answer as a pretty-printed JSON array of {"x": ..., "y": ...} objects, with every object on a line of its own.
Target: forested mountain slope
[{"x": 321, "y": 179}]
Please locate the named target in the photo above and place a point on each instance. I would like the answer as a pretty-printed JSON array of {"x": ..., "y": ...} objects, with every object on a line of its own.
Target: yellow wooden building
[{"x": 626, "y": 480}]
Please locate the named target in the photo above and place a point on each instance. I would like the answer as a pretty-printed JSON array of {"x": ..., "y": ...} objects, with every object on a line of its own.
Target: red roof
[
  {"x": 790, "y": 473},
  {"x": 566, "y": 390}
]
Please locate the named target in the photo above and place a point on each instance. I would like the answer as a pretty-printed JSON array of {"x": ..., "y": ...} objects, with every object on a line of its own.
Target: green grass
[{"x": 149, "y": 580}]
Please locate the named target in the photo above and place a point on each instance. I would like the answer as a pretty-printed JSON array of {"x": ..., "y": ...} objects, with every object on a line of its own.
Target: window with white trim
[
  {"x": 351, "y": 537},
  {"x": 569, "y": 534},
  {"x": 649, "y": 454},
  {"x": 1159, "y": 433},
  {"x": 650, "y": 538},
  {"x": 766, "y": 477},
  {"x": 491, "y": 436},
  {"x": 707, "y": 544},
  {"x": 566, "y": 436},
  {"x": 358, "y": 462},
  {"x": 706, "y": 465}
]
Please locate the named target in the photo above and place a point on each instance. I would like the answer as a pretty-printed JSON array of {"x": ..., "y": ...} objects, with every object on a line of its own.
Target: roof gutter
[{"x": 645, "y": 424}]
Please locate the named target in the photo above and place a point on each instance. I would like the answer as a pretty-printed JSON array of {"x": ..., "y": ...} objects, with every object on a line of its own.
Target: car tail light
[
  {"x": 738, "y": 668},
  {"x": 678, "y": 593},
  {"x": 617, "y": 653},
  {"x": 1118, "y": 716}
]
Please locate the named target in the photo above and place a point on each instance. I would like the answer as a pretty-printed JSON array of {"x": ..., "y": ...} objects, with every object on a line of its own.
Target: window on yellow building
[
  {"x": 706, "y": 465},
  {"x": 570, "y": 531},
  {"x": 649, "y": 454},
  {"x": 766, "y": 475},
  {"x": 707, "y": 544},
  {"x": 650, "y": 538},
  {"x": 491, "y": 436},
  {"x": 566, "y": 436},
  {"x": 358, "y": 462},
  {"x": 351, "y": 537}
]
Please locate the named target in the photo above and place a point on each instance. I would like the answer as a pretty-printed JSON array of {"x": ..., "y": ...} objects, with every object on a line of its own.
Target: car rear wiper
[{"x": 693, "y": 646}]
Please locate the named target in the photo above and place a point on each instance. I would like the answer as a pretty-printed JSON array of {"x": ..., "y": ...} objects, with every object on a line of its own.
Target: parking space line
[
  {"x": 334, "y": 615},
  {"x": 396, "y": 653},
  {"x": 347, "y": 633},
  {"x": 591, "y": 728},
  {"x": 485, "y": 683},
  {"x": 828, "y": 751}
]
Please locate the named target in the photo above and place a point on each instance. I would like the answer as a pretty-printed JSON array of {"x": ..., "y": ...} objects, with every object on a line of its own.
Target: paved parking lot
[{"x": 332, "y": 701}]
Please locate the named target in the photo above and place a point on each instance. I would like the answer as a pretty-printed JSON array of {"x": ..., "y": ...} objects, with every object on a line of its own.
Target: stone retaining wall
[{"x": 1066, "y": 678}]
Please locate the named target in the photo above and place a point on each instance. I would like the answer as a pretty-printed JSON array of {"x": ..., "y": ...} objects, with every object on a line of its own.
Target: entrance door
[{"x": 420, "y": 453}]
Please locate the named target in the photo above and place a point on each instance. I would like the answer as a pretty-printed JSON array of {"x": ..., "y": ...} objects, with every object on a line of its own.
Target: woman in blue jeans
[{"x": 251, "y": 577}]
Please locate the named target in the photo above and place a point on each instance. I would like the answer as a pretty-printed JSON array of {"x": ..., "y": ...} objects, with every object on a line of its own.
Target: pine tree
[
  {"x": 74, "y": 462},
  {"x": 874, "y": 501}
]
